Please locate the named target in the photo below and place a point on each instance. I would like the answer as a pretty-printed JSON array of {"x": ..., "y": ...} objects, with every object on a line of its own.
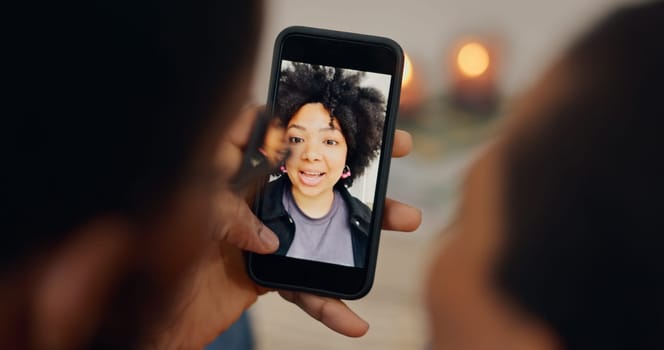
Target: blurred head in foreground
[
  {"x": 109, "y": 133},
  {"x": 558, "y": 242}
]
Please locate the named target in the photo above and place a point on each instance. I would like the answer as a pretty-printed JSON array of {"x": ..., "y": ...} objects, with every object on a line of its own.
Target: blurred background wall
[{"x": 531, "y": 31}]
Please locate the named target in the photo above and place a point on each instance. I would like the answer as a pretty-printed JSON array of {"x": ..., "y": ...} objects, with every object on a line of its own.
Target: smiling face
[{"x": 318, "y": 151}]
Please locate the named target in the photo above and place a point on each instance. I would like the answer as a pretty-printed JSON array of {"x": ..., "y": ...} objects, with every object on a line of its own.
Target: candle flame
[
  {"x": 473, "y": 59},
  {"x": 407, "y": 71}
]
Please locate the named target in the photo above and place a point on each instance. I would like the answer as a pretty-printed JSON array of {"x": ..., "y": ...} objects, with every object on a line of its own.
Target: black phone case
[{"x": 385, "y": 155}]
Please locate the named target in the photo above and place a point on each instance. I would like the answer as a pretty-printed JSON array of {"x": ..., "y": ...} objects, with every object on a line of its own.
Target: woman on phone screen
[{"x": 334, "y": 130}]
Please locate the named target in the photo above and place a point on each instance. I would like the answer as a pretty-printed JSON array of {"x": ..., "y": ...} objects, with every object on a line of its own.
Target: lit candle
[
  {"x": 473, "y": 59},
  {"x": 411, "y": 88},
  {"x": 474, "y": 77}
]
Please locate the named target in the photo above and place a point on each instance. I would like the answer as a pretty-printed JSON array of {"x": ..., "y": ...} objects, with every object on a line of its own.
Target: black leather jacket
[{"x": 273, "y": 214}]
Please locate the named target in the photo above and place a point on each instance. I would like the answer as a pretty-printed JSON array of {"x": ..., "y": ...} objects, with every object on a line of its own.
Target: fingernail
[{"x": 268, "y": 237}]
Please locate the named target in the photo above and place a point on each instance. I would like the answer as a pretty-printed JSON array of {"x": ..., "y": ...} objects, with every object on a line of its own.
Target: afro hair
[{"x": 360, "y": 111}]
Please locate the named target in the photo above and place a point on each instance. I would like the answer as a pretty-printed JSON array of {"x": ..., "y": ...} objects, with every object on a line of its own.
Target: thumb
[{"x": 238, "y": 226}]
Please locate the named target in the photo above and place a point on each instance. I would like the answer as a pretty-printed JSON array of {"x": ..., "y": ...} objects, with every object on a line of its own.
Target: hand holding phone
[
  {"x": 224, "y": 284},
  {"x": 333, "y": 96},
  {"x": 330, "y": 311}
]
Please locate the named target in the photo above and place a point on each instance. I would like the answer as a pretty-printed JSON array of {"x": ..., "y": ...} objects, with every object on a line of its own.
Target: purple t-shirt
[{"x": 326, "y": 239}]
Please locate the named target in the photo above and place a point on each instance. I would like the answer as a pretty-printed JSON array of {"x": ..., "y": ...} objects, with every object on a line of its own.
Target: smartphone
[{"x": 328, "y": 133}]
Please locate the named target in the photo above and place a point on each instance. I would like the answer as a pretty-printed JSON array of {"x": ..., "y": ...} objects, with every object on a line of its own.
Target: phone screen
[
  {"x": 326, "y": 139},
  {"x": 320, "y": 201}
]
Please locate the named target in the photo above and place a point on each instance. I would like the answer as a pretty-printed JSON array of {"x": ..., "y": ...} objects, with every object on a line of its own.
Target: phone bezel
[{"x": 351, "y": 51}]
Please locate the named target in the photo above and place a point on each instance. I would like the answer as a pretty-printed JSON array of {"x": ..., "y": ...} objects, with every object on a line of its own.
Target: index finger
[
  {"x": 234, "y": 142},
  {"x": 403, "y": 143},
  {"x": 240, "y": 131},
  {"x": 398, "y": 216}
]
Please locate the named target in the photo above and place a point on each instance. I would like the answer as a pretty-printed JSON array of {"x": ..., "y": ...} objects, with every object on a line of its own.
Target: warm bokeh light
[
  {"x": 473, "y": 59},
  {"x": 407, "y": 71}
]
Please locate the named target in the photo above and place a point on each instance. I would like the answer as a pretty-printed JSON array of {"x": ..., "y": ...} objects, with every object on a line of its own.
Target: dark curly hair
[{"x": 360, "y": 111}]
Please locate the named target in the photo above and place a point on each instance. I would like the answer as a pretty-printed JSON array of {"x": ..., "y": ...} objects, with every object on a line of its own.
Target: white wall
[{"x": 531, "y": 31}]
